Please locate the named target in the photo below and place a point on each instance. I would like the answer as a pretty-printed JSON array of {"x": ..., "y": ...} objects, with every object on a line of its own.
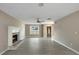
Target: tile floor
[{"x": 40, "y": 46}]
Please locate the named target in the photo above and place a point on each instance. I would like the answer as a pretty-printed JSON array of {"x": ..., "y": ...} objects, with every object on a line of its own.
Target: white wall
[{"x": 22, "y": 32}]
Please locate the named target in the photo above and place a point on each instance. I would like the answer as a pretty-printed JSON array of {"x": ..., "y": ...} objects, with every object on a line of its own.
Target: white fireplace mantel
[{"x": 12, "y": 30}]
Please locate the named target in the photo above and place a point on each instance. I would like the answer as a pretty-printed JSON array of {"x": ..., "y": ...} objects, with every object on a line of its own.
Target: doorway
[{"x": 48, "y": 31}]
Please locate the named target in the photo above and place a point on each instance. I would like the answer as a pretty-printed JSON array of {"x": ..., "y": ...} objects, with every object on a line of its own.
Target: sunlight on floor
[
  {"x": 52, "y": 38},
  {"x": 34, "y": 43}
]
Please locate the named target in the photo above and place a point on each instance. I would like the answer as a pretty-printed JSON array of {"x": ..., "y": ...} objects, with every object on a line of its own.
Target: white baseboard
[
  {"x": 4, "y": 51},
  {"x": 77, "y": 52}
]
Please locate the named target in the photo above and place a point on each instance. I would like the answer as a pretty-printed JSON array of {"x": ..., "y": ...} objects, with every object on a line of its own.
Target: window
[{"x": 34, "y": 29}]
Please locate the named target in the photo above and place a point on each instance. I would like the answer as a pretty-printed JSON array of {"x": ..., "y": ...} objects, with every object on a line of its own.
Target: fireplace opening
[{"x": 15, "y": 37}]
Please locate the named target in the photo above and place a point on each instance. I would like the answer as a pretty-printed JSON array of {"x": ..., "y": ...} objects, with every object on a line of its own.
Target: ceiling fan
[
  {"x": 47, "y": 21},
  {"x": 39, "y": 21}
]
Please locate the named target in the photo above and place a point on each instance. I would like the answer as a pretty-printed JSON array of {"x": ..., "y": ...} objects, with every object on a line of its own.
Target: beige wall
[
  {"x": 5, "y": 21},
  {"x": 27, "y": 31},
  {"x": 67, "y": 30}
]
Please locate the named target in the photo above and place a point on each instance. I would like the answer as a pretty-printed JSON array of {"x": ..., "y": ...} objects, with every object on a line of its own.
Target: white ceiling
[{"x": 30, "y": 11}]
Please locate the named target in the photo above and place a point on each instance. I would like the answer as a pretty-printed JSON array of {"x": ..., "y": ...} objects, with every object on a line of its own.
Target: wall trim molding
[
  {"x": 4, "y": 51},
  {"x": 77, "y": 52}
]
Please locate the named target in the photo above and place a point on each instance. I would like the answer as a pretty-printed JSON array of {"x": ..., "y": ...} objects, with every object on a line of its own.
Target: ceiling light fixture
[{"x": 41, "y": 4}]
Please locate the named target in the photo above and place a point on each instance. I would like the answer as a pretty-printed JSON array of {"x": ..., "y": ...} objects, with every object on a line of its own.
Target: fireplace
[{"x": 14, "y": 37}]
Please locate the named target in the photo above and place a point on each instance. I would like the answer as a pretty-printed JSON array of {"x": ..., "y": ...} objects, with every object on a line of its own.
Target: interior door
[{"x": 48, "y": 31}]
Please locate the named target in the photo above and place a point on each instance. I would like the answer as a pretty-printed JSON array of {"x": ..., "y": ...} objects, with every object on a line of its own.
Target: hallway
[{"x": 40, "y": 46}]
